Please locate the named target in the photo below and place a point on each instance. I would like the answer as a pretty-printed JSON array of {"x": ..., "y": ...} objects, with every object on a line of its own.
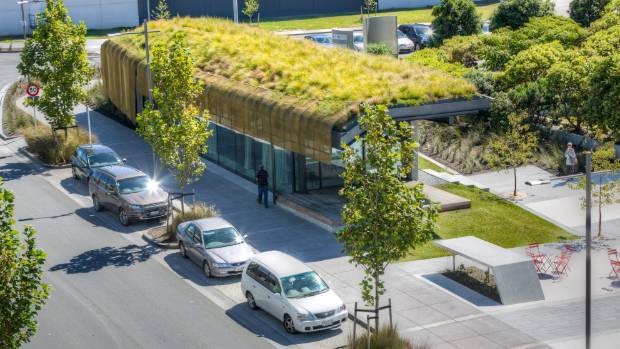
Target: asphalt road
[
  {"x": 106, "y": 291},
  {"x": 8, "y": 68}
]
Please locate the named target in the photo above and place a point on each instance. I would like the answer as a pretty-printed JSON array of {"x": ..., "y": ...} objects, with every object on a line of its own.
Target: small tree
[
  {"x": 605, "y": 186},
  {"x": 177, "y": 130},
  {"x": 56, "y": 56},
  {"x": 455, "y": 17},
  {"x": 161, "y": 10},
  {"x": 513, "y": 148},
  {"x": 515, "y": 13},
  {"x": 371, "y": 6},
  {"x": 585, "y": 12},
  {"x": 250, "y": 8},
  {"x": 383, "y": 218},
  {"x": 22, "y": 290},
  {"x": 604, "y": 100}
]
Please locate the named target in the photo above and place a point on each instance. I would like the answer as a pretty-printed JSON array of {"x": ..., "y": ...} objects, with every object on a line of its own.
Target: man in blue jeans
[{"x": 262, "y": 179}]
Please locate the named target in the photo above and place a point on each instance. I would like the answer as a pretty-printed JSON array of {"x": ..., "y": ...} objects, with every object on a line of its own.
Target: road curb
[
  {"x": 166, "y": 245},
  {"x": 35, "y": 158},
  {"x": 2, "y": 95}
]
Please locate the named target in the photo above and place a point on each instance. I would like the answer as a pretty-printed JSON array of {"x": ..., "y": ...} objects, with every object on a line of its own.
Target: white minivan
[{"x": 292, "y": 292}]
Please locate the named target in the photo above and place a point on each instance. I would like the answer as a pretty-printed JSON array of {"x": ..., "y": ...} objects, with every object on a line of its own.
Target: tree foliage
[
  {"x": 585, "y": 12},
  {"x": 250, "y": 8},
  {"x": 604, "y": 101},
  {"x": 455, "y": 17},
  {"x": 161, "y": 10},
  {"x": 379, "y": 49},
  {"x": 371, "y": 6},
  {"x": 176, "y": 129},
  {"x": 383, "y": 218},
  {"x": 515, "y": 13},
  {"x": 56, "y": 56},
  {"x": 22, "y": 290},
  {"x": 528, "y": 65},
  {"x": 512, "y": 148}
]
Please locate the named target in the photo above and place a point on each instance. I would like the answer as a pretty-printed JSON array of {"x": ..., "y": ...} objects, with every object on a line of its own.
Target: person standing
[
  {"x": 262, "y": 180},
  {"x": 571, "y": 159}
]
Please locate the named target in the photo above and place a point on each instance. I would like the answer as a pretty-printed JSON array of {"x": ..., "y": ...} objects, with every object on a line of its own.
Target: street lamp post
[
  {"x": 21, "y": 4},
  {"x": 235, "y": 11}
]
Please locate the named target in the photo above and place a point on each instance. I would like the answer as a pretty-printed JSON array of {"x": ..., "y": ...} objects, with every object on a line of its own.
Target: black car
[
  {"x": 419, "y": 33},
  {"x": 88, "y": 157}
]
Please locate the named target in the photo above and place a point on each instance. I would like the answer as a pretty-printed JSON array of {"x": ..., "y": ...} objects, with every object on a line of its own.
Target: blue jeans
[{"x": 263, "y": 191}]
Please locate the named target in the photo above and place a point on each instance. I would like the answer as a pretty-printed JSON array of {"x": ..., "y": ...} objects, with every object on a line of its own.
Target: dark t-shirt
[{"x": 261, "y": 177}]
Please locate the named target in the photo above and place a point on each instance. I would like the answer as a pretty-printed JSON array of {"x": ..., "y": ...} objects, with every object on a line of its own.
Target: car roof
[
  {"x": 211, "y": 223},
  {"x": 96, "y": 148},
  {"x": 281, "y": 263},
  {"x": 122, "y": 171}
]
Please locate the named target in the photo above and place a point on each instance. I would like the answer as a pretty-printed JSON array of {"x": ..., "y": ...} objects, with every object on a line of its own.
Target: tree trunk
[
  {"x": 514, "y": 194},
  {"x": 376, "y": 302},
  {"x": 600, "y": 209}
]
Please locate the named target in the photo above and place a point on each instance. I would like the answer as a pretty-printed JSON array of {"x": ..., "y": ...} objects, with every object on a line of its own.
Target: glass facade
[{"x": 244, "y": 155}]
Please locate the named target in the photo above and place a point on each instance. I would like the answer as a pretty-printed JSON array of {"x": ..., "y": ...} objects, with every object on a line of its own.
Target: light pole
[
  {"x": 235, "y": 11},
  {"x": 21, "y": 4}
]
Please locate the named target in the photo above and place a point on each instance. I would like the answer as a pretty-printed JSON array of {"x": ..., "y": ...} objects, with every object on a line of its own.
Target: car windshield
[
  {"x": 323, "y": 39},
  {"x": 134, "y": 185},
  {"x": 422, "y": 30},
  {"x": 400, "y": 34},
  {"x": 303, "y": 285},
  {"x": 103, "y": 159},
  {"x": 358, "y": 38},
  {"x": 221, "y": 237}
]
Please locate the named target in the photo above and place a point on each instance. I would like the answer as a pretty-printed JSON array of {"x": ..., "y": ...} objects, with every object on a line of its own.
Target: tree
[
  {"x": 371, "y": 6},
  {"x": 515, "y": 13},
  {"x": 161, "y": 11},
  {"x": 605, "y": 187},
  {"x": 22, "y": 290},
  {"x": 176, "y": 130},
  {"x": 585, "y": 12},
  {"x": 604, "y": 100},
  {"x": 383, "y": 218},
  {"x": 250, "y": 8},
  {"x": 56, "y": 56},
  {"x": 455, "y": 17},
  {"x": 513, "y": 148}
]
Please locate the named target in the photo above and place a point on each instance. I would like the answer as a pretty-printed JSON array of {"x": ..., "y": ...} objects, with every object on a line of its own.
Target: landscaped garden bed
[
  {"x": 490, "y": 218},
  {"x": 475, "y": 279},
  {"x": 167, "y": 233}
]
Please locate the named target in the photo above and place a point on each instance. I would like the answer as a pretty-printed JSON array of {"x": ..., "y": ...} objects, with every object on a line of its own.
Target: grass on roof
[
  {"x": 415, "y": 15},
  {"x": 330, "y": 78},
  {"x": 490, "y": 218}
]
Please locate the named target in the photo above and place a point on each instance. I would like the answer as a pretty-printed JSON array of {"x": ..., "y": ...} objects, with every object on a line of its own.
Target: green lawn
[
  {"x": 490, "y": 218},
  {"x": 353, "y": 20},
  {"x": 425, "y": 164}
]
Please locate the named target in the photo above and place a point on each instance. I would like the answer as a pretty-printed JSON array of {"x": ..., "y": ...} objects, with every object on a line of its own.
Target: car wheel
[
  {"x": 289, "y": 325},
  {"x": 74, "y": 173},
  {"x": 206, "y": 269},
  {"x": 96, "y": 204},
  {"x": 251, "y": 302},
  {"x": 123, "y": 218},
  {"x": 183, "y": 250}
]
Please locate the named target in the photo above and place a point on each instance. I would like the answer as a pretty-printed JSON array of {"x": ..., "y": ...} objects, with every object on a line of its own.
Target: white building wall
[
  {"x": 96, "y": 14},
  {"x": 400, "y": 4}
]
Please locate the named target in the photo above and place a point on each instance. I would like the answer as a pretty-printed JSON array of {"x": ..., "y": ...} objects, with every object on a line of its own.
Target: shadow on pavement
[
  {"x": 109, "y": 220},
  {"x": 75, "y": 186},
  {"x": 265, "y": 325},
  {"x": 460, "y": 290},
  {"x": 94, "y": 260},
  {"x": 189, "y": 270},
  {"x": 15, "y": 170}
]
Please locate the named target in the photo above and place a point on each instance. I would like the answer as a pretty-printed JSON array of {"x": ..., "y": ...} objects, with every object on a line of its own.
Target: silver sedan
[{"x": 215, "y": 245}]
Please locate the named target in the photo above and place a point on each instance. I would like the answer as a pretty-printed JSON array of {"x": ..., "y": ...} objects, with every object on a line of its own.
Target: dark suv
[
  {"x": 88, "y": 157},
  {"x": 419, "y": 33},
  {"x": 129, "y": 192}
]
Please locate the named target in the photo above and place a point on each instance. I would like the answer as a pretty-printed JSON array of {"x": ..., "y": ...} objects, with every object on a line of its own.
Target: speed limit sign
[{"x": 32, "y": 90}]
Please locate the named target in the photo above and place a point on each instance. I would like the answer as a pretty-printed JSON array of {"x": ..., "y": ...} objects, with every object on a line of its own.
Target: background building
[{"x": 97, "y": 14}]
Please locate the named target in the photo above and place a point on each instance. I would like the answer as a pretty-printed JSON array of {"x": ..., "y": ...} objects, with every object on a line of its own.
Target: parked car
[
  {"x": 419, "y": 33},
  {"x": 358, "y": 42},
  {"x": 292, "y": 292},
  {"x": 486, "y": 27},
  {"x": 404, "y": 44},
  {"x": 214, "y": 244},
  {"x": 129, "y": 192},
  {"x": 88, "y": 157},
  {"x": 321, "y": 39}
]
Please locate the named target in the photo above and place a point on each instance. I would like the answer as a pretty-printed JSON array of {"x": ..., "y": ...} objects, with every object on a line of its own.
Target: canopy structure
[{"x": 288, "y": 92}]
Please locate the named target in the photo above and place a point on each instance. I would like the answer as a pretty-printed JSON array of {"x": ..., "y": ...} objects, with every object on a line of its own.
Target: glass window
[
  {"x": 134, "y": 185},
  {"x": 221, "y": 237},
  {"x": 245, "y": 156},
  {"x": 226, "y": 148},
  {"x": 212, "y": 143},
  {"x": 104, "y": 159},
  {"x": 252, "y": 270},
  {"x": 303, "y": 285}
]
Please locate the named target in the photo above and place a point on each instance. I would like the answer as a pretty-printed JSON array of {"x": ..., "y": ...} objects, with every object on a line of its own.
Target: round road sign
[{"x": 32, "y": 90}]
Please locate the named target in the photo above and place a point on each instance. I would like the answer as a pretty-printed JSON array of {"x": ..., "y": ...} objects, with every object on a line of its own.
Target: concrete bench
[{"x": 515, "y": 276}]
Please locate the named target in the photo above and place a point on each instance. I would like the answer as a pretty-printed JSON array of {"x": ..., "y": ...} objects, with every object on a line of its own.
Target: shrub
[
  {"x": 387, "y": 338},
  {"x": 515, "y": 13},
  {"x": 13, "y": 117},
  {"x": 436, "y": 58},
  {"x": 379, "y": 49},
  {"x": 54, "y": 150},
  {"x": 96, "y": 98},
  {"x": 198, "y": 211},
  {"x": 585, "y": 12},
  {"x": 455, "y": 17}
]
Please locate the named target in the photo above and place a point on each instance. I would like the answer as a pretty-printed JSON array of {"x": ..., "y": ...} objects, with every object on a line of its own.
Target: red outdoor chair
[
  {"x": 539, "y": 259},
  {"x": 613, "y": 254},
  {"x": 560, "y": 265}
]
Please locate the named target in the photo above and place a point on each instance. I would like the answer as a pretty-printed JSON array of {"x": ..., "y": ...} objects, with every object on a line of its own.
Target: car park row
[{"x": 272, "y": 281}]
